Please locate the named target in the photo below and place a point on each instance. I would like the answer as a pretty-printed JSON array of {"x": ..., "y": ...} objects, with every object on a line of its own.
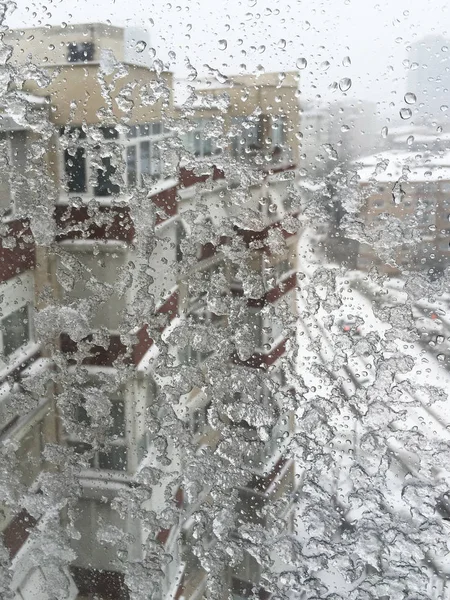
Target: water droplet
[
  {"x": 405, "y": 113},
  {"x": 261, "y": 49},
  {"x": 439, "y": 129},
  {"x": 444, "y": 48},
  {"x": 301, "y": 63},
  {"x": 346, "y": 61},
  {"x": 325, "y": 65},
  {"x": 414, "y": 66},
  {"x": 410, "y": 140},
  {"x": 223, "y": 44},
  {"x": 441, "y": 357},
  {"x": 282, "y": 44},
  {"x": 345, "y": 128},
  {"x": 152, "y": 52},
  {"x": 141, "y": 46},
  {"x": 410, "y": 98},
  {"x": 444, "y": 108},
  {"x": 345, "y": 84}
]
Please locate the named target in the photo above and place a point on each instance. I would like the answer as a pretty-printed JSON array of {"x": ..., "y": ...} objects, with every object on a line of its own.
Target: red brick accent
[
  {"x": 116, "y": 350},
  {"x": 188, "y": 178},
  {"x": 170, "y": 306},
  {"x": 17, "y": 532},
  {"x": 163, "y": 536},
  {"x": 20, "y": 258},
  {"x": 167, "y": 202},
  {"x": 179, "y": 497},
  {"x": 249, "y": 236},
  {"x": 104, "y": 584},
  {"x": 259, "y": 360},
  {"x": 262, "y": 484},
  {"x": 82, "y": 223}
]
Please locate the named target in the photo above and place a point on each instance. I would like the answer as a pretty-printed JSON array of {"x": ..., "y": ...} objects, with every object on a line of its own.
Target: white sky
[{"x": 374, "y": 34}]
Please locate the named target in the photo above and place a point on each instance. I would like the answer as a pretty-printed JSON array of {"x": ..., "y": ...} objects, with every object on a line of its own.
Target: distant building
[
  {"x": 404, "y": 222},
  {"x": 429, "y": 79}
]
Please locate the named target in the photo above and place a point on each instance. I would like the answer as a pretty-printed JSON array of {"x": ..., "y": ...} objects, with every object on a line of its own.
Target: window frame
[
  {"x": 132, "y": 138},
  {"x": 115, "y": 441}
]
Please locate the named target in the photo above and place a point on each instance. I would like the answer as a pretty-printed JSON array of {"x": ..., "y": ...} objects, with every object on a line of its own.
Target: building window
[
  {"x": 78, "y": 163},
  {"x": 75, "y": 165},
  {"x": 16, "y": 330},
  {"x": 199, "y": 142},
  {"x": 114, "y": 456},
  {"x": 105, "y": 186},
  {"x": 80, "y": 52},
  {"x": 143, "y": 154},
  {"x": 247, "y": 135},
  {"x": 278, "y": 132}
]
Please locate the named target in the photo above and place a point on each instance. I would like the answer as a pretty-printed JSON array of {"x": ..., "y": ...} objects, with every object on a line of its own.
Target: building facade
[{"x": 130, "y": 272}]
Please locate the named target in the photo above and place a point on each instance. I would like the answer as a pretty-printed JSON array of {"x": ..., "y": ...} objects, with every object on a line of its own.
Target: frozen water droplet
[
  {"x": 345, "y": 84},
  {"x": 223, "y": 44},
  {"x": 410, "y": 140},
  {"x": 141, "y": 46},
  {"x": 405, "y": 113},
  {"x": 346, "y": 61},
  {"x": 410, "y": 98},
  {"x": 398, "y": 194},
  {"x": 301, "y": 63},
  {"x": 282, "y": 44},
  {"x": 384, "y": 132},
  {"x": 444, "y": 108},
  {"x": 325, "y": 65}
]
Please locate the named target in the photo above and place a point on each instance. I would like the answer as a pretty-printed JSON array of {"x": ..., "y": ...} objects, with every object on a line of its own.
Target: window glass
[
  {"x": 75, "y": 166},
  {"x": 15, "y": 330}
]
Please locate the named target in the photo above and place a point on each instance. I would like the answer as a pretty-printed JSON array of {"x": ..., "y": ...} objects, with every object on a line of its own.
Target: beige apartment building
[{"x": 129, "y": 274}]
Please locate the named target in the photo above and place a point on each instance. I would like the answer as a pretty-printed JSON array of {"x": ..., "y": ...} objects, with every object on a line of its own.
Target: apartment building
[
  {"x": 123, "y": 271},
  {"x": 28, "y": 419},
  {"x": 242, "y": 129},
  {"x": 405, "y": 212}
]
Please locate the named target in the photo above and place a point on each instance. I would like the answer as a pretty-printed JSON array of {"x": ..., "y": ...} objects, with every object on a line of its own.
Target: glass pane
[
  {"x": 75, "y": 166},
  {"x": 16, "y": 330},
  {"x": 105, "y": 187},
  {"x": 131, "y": 165},
  {"x": 115, "y": 459}
]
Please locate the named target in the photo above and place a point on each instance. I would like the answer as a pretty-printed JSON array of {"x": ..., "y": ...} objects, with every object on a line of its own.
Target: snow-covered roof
[{"x": 393, "y": 165}]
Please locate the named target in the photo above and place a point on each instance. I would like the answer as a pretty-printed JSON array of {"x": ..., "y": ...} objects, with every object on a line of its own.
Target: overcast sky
[{"x": 275, "y": 34}]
